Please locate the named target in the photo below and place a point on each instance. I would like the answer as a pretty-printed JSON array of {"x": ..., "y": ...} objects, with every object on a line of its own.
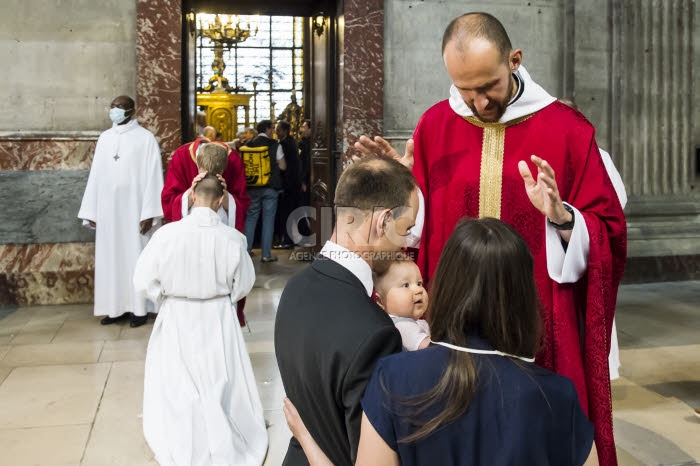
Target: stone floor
[{"x": 71, "y": 389}]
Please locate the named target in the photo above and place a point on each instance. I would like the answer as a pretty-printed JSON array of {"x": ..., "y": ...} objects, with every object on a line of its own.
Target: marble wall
[
  {"x": 46, "y": 257},
  {"x": 159, "y": 70},
  {"x": 362, "y": 90}
]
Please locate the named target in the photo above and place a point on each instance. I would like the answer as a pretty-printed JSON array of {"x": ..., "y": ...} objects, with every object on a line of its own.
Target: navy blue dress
[{"x": 521, "y": 414}]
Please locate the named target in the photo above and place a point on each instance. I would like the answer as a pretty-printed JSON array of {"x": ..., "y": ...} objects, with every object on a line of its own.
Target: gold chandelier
[{"x": 223, "y": 31}]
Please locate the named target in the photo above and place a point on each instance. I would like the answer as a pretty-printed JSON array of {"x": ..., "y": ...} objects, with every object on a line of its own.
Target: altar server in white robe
[
  {"x": 200, "y": 404},
  {"x": 122, "y": 202}
]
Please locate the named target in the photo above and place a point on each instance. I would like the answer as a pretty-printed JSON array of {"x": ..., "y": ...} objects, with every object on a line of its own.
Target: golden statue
[{"x": 294, "y": 115}]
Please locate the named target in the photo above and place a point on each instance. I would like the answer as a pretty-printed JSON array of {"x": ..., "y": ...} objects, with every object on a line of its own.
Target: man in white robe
[
  {"x": 200, "y": 403},
  {"x": 122, "y": 202}
]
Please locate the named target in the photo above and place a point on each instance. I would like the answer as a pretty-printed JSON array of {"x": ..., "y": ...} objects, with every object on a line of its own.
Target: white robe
[
  {"x": 614, "y": 356},
  {"x": 200, "y": 402},
  {"x": 120, "y": 193}
]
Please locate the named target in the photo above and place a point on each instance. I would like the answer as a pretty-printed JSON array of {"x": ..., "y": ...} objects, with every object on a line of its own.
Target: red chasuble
[
  {"x": 183, "y": 168},
  {"x": 457, "y": 181}
]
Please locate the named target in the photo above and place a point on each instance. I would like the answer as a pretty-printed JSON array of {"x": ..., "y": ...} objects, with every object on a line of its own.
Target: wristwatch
[{"x": 567, "y": 225}]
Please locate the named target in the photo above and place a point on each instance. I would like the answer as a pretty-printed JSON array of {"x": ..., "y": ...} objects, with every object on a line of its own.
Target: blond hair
[{"x": 212, "y": 158}]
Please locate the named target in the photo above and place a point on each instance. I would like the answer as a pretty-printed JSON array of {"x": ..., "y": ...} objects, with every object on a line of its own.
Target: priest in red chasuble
[{"x": 502, "y": 147}]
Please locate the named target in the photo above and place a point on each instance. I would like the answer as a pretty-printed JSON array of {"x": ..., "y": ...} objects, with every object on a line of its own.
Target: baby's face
[{"x": 403, "y": 292}]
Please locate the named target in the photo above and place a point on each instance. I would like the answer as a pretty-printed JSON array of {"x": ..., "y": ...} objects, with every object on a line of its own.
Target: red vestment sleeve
[{"x": 176, "y": 183}]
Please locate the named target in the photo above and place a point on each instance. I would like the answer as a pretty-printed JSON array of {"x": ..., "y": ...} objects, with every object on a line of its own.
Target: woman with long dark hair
[{"x": 474, "y": 397}]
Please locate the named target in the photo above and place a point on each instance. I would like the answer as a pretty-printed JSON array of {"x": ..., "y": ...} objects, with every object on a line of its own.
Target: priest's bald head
[
  {"x": 480, "y": 61},
  {"x": 209, "y": 192}
]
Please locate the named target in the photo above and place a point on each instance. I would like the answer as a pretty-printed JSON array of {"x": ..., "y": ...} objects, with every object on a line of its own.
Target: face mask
[{"x": 117, "y": 115}]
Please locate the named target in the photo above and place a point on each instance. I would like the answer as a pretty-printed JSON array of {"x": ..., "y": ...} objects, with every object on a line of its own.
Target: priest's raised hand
[
  {"x": 544, "y": 194},
  {"x": 381, "y": 147}
]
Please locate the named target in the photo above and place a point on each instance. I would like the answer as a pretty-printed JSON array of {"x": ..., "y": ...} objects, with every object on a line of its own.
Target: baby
[{"x": 399, "y": 291}]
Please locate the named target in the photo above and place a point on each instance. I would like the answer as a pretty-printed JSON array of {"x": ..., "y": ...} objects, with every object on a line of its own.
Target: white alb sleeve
[
  {"x": 416, "y": 231},
  {"x": 185, "y": 209},
  {"x": 568, "y": 266}
]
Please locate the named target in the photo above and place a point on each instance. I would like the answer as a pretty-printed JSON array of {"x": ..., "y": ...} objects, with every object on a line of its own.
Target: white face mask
[{"x": 117, "y": 115}]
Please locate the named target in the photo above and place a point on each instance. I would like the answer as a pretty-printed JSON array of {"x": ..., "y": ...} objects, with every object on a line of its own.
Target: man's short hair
[
  {"x": 285, "y": 126},
  {"x": 212, "y": 158},
  {"x": 375, "y": 182},
  {"x": 478, "y": 25},
  {"x": 308, "y": 122},
  {"x": 264, "y": 126},
  {"x": 209, "y": 188}
]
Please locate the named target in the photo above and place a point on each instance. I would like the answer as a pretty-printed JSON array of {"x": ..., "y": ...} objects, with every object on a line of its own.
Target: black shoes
[
  {"x": 111, "y": 320},
  {"x": 136, "y": 321},
  {"x": 268, "y": 259},
  {"x": 283, "y": 246}
]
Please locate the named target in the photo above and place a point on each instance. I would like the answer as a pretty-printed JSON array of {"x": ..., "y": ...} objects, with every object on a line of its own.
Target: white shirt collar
[
  {"x": 532, "y": 99},
  {"x": 351, "y": 261}
]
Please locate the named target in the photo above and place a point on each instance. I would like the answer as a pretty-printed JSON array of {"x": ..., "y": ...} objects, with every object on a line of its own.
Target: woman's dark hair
[{"x": 484, "y": 284}]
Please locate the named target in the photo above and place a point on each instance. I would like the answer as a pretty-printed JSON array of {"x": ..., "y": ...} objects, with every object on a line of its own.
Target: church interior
[{"x": 71, "y": 390}]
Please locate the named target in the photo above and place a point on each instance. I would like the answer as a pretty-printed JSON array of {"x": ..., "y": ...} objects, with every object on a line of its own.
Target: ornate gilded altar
[{"x": 222, "y": 111}]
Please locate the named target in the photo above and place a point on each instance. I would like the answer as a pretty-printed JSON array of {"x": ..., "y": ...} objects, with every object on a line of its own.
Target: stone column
[
  {"x": 652, "y": 95},
  {"x": 652, "y": 123}
]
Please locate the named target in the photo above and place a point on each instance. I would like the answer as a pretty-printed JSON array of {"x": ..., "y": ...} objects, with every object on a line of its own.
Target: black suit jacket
[{"x": 329, "y": 335}]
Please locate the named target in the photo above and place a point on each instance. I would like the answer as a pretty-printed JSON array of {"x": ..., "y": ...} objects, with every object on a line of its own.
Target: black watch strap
[{"x": 567, "y": 225}]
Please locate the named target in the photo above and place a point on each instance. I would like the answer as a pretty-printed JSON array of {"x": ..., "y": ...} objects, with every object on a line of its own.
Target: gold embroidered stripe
[{"x": 491, "y": 175}]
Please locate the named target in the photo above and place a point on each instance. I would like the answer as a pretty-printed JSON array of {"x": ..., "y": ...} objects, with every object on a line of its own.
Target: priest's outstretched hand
[
  {"x": 544, "y": 194},
  {"x": 379, "y": 146}
]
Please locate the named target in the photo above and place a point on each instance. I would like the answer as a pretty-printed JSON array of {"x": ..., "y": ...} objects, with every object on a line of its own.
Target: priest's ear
[{"x": 515, "y": 59}]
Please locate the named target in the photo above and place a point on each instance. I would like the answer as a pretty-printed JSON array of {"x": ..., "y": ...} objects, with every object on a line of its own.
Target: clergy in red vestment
[
  {"x": 182, "y": 169},
  {"x": 502, "y": 147}
]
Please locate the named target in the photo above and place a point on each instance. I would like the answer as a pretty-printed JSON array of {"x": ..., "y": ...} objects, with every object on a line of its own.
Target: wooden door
[{"x": 322, "y": 98}]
